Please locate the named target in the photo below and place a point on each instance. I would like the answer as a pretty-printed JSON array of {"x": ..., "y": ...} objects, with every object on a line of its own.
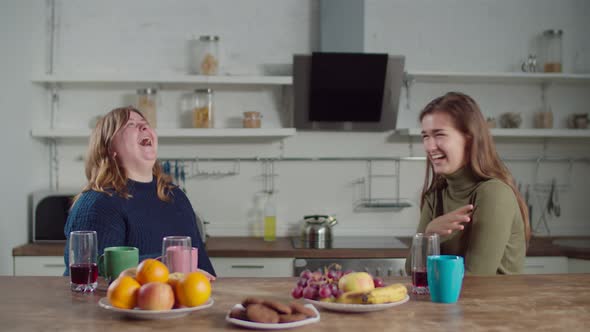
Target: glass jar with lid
[
  {"x": 203, "y": 108},
  {"x": 147, "y": 105},
  {"x": 552, "y": 45},
  {"x": 252, "y": 119},
  {"x": 204, "y": 55}
]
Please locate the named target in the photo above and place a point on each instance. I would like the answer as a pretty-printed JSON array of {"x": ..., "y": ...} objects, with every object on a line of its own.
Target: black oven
[{"x": 49, "y": 215}]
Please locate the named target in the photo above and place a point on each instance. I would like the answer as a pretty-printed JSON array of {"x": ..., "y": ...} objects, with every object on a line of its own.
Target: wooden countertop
[
  {"x": 256, "y": 247},
  {"x": 499, "y": 303}
]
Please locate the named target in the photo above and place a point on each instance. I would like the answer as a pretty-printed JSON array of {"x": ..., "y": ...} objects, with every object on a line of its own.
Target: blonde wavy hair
[
  {"x": 103, "y": 172},
  {"x": 480, "y": 148}
]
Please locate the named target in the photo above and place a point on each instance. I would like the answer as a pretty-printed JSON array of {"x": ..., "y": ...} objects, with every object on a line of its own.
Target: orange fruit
[
  {"x": 151, "y": 270},
  {"x": 193, "y": 290},
  {"x": 174, "y": 278},
  {"x": 122, "y": 293}
]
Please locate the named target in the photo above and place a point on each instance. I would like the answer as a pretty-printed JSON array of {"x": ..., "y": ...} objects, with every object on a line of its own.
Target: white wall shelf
[
  {"x": 514, "y": 133},
  {"x": 421, "y": 76},
  {"x": 270, "y": 133},
  {"x": 162, "y": 79},
  {"x": 495, "y": 77}
]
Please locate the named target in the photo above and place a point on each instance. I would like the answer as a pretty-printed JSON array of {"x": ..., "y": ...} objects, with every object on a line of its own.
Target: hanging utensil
[
  {"x": 555, "y": 199},
  {"x": 528, "y": 204},
  {"x": 183, "y": 176},
  {"x": 176, "y": 176},
  {"x": 550, "y": 198}
]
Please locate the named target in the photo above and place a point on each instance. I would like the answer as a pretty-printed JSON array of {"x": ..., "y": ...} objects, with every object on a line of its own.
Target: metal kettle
[{"x": 317, "y": 230}]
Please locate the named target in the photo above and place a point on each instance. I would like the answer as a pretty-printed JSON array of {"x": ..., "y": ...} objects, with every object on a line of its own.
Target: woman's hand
[
  {"x": 207, "y": 274},
  {"x": 447, "y": 223}
]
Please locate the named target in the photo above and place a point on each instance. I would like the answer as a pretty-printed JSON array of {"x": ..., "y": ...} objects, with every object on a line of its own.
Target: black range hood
[{"x": 347, "y": 91}]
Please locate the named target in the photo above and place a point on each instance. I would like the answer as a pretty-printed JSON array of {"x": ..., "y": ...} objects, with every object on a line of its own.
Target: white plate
[
  {"x": 278, "y": 326},
  {"x": 153, "y": 314},
  {"x": 356, "y": 307}
]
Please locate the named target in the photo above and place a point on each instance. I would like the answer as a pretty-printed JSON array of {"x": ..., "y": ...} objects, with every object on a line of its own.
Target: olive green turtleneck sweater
[{"x": 493, "y": 242}]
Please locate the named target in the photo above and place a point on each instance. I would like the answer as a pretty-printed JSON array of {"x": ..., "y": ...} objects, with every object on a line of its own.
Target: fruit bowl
[{"x": 153, "y": 314}]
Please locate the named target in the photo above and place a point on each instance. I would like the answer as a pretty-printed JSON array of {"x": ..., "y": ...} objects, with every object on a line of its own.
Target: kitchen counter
[
  {"x": 256, "y": 247},
  {"x": 507, "y": 303}
]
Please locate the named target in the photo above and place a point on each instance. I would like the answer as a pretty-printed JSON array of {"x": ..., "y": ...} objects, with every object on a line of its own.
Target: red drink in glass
[
  {"x": 84, "y": 273},
  {"x": 419, "y": 279}
]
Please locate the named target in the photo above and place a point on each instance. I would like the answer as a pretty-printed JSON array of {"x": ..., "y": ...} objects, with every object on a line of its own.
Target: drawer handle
[
  {"x": 247, "y": 266},
  {"x": 54, "y": 265},
  {"x": 535, "y": 266}
]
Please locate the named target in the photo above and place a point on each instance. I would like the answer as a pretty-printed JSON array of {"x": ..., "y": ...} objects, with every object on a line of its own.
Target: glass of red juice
[
  {"x": 83, "y": 265},
  {"x": 423, "y": 245}
]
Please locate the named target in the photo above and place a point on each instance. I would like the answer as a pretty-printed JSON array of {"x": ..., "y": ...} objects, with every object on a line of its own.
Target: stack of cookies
[{"x": 271, "y": 312}]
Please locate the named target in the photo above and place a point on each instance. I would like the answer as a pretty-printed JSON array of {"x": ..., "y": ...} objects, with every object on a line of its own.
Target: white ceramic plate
[
  {"x": 267, "y": 326},
  {"x": 153, "y": 314},
  {"x": 356, "y": 307}
]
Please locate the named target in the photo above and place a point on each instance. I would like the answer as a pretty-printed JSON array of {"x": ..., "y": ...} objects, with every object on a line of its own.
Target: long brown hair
[
  {"x": 483, "y": 157},
  {"x": 103, "y": 172}
]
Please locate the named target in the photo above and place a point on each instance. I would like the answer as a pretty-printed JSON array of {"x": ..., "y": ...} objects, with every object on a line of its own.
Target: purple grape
[
  {"x": 297, "y": 292},
  {"x": 331, "y": 274},
  {"x": 302, "y": 282},
  {"x": 337, "y": 293},
  {"x": 333, "y": 288},
  {"x": 325, "y": 292},
  {"x": 378, "y": 282},
  {"x": 305, "y": 274},
  {"x": 310, "y": 293},
  {"x": 316, "y": 276}
]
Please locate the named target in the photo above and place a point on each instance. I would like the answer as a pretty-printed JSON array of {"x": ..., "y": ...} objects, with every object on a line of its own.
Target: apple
[
  {"x": 155, "y": 296},
  {"x": 356, "y": 282},
  {"x": 132, "y": 271}
]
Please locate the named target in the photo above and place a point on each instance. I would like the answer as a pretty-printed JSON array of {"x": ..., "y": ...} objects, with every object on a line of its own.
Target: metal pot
[{"x": 317, "y": 230}]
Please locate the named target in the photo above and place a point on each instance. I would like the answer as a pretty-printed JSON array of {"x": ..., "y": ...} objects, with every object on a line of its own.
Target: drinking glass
[
  {"x": 423, "y": 245},
  {"x": 177, "y": 253},
  {"x": 83, "y": 265}
]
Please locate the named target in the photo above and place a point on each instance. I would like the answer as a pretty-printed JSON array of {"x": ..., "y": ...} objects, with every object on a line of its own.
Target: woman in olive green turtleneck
[{"x": 469, "y": 198}]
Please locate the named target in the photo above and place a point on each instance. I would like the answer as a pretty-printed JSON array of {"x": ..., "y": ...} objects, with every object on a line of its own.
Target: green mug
[{"x": 116, "y": 259}]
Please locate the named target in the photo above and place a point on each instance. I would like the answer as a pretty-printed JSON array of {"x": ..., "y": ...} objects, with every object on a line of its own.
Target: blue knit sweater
[{"x": 140, "y": 221}]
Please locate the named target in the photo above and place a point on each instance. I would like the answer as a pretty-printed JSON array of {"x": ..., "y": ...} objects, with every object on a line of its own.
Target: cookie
[
  {"x": 262, "y": 314},
  {"x": 291, "y": 318},
  {"x": 300, "y": 308},
  {"x": 238, "y": 313},
  {"x": 278, "y": 307},
  {"x": 251, "y": 300}
]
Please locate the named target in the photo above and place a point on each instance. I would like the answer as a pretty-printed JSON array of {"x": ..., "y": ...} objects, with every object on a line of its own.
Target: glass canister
[
  {"x": 252, "y": 120},
  {"x": 147, "y": 105},
  {"x": 552, "y": 46},
  {"x": 204, "y": 55},
  {"x": 203, "y": 108}
]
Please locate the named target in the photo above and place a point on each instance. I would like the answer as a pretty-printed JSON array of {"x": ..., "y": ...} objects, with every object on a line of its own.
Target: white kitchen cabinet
[
  {"x": 39, "y": 265},
  {"x": 575, "y": 265},
  {"x": 545, "y": 265},
  {"x": 252, "y": 267}
]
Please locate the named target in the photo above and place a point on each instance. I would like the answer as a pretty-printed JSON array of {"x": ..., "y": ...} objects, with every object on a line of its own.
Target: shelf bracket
[
  {"x": 53, "y": 165},
  {"x": 408, "y": 82},
  {"x": 50, "y": 44},
  {"x": 54, "y": 96},
  {"x": 544, "y": 87}
]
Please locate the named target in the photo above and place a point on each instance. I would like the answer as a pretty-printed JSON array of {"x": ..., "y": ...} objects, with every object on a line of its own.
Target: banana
[
  {"x": 391, "y": 293},
  {"x": 351, "y": 297}
]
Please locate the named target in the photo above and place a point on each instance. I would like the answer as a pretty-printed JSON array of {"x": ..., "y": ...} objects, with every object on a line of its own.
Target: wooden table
[{"x": 499, "y": 303}]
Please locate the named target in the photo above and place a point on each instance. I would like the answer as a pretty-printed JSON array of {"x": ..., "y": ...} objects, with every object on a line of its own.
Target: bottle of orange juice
[{"x": 270, "y": 219}]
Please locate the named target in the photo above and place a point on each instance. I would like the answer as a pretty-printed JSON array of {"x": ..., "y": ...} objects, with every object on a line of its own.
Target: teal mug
[
  {"x": 116, "y": 259},
  {"x": 445, "y": 277}
]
